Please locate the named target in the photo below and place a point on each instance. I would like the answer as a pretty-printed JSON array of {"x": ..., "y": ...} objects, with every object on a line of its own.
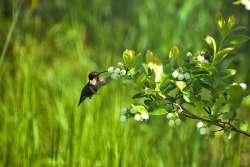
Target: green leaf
[
  {"x": 237, "y": 2},
  {"x": 145, "y": 68},
  {"x": 199, "y": 72},
  {"x": 139, "y": 95},
  {"x": 222, "y": 54},
  {"x": 205, "y": 82},
  {"x": 228, "y": 115},
  {"x": 167, "y": 87},
  {"x": 244, "y": 126},
  {"x": 158, "y": 111},
  {"x": 128, "y": 57},
  {"x": 154, "y": 63},
  {"x": 221, "y": 24},
  {"x": 174, "y": 52},
  {"x": 132, "y": 72},
  {"x": 231, "y": 22},
  {"x": 236, "y": 39},
  {"x": 235, "y": 91},
  {"x": 206, "y": 94},
  {"x": 161, "y": 95},
  {"x": 226, "y": 73},
  {"x": 152, "y": 58},
  {"x": 140, "y": 79},
  {"x": 216, "y": 109},
  {"x": 186, "y": 96},
  {"x": 206, "y": 67},
  {"x": 211, "y": 43},
  {"x": 138, "y": 109},
  {"x": 181, "y": 84},
  {"x": 141, "y": 109}
]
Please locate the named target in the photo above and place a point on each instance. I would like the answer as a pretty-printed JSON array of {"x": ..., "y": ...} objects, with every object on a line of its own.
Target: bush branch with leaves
[{"x": 187, "y": 85}]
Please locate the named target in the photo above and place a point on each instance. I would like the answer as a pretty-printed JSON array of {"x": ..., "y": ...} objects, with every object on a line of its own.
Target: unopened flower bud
[
  {"x": 203, "y": 131},
  {"x": 138, "y": 117},
  {"x": 175, "y": 74},
  {"x": 120, "y": 64},
  {"x": 123, "y": 118},
  {"x": 180, "y": 77},
  {"x": 123, "y": 72},
  {"x": 187, "y": 76},
  {"x": 117, "y": 70},
  {"x": 170, "y": 115},
  {"x": 189, "y": 54},
  {"x": 171, "y": 123},
  {"x": 200, "y": 58},
  {"x": 114, "y": 76},
  {"x": 243, "y": 86},
  {"x": 124, "y": 110},
  {"x": 199, "y": 124},
  {"x": 177, "y": 121},
  {"x": 145, "y": 116},
  {"x": 111, "y": 69}
]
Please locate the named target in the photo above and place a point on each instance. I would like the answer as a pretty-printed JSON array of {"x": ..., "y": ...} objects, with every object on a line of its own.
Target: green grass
[
  {"x": 46, "y": 65},
  {"x": 41, "y": 124}
]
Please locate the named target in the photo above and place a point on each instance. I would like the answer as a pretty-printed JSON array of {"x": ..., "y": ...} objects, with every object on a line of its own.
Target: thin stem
[
  {"x": 9, "y": 35},
  {"x": 218, "y": 130},
  {"x": 223, "y": 125}
]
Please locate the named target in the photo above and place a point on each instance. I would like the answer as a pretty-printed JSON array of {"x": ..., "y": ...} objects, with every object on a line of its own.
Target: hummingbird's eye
[{"x": 91, "y": 76}]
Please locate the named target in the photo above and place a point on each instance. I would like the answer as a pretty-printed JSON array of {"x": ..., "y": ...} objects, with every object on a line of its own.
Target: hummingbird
[{"x": 94, "y": 83}]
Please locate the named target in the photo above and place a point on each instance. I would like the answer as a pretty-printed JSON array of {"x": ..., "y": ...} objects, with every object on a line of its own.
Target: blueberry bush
[{"x": 188, "y": 84}]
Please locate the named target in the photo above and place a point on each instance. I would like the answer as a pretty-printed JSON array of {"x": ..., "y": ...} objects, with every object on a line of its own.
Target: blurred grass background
[{"x": 52, "y": 47}]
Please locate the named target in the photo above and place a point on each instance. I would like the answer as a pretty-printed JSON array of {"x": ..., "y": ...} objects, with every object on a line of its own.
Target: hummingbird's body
[{"x": 93, "y": 85}]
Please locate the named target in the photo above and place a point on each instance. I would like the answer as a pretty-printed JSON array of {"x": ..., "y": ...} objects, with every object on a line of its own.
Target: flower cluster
[
  {"x": 141, "y": 116},
  {"x": 202, "y": 128},
  {"x": 138, "y": 112},
  {"x": 200, "y": 58},
  {"x": 246, "y": 3},
  {"x": 123, "y": 114},
  {"x": 118, "y": 71},
  {"x": 242, "y": 85},
  {"x": 180, "y": 76},
  {"x": 173, "y": 118}
]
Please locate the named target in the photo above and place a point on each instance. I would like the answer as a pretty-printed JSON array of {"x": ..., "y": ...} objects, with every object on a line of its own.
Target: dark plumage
[{"x": 93, "y": 85}]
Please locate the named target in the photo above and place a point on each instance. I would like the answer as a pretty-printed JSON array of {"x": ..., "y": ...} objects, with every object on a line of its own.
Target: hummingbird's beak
[{"x": 102, "y": 72}]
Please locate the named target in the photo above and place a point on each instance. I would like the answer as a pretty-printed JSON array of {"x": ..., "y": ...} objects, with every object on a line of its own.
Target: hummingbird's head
[
  {"x": 94, "y": 75},
  {"x": 93, "y": 78}
]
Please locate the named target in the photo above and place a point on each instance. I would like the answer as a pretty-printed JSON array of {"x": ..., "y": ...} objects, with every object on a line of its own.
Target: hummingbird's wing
[
  {"x": 103, "y": 81},
  {"x": 87, "y": 91}
]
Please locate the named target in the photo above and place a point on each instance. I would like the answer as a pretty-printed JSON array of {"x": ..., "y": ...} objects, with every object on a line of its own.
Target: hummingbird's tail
[{"x": 81, "y": 100}]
